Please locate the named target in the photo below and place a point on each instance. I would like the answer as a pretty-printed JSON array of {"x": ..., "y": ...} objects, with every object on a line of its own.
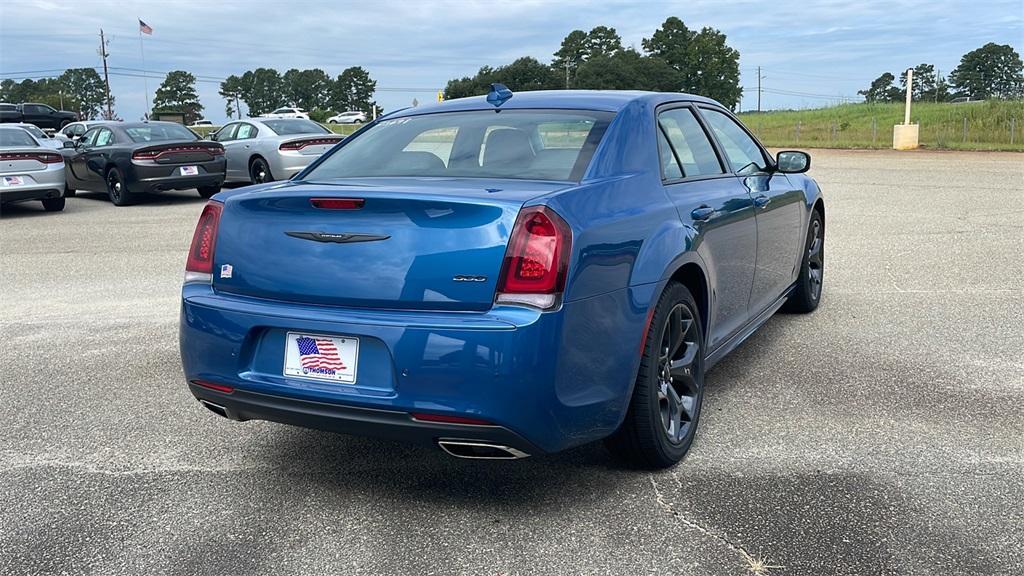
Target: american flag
[
  {"x": 318, "y": 353},
  {"x": 145, "y": 28}
]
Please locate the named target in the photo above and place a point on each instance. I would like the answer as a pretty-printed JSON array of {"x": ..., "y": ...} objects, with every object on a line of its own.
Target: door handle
[
  {"x": 702, "y": 213},
  {"x": 761, "y": 201}
]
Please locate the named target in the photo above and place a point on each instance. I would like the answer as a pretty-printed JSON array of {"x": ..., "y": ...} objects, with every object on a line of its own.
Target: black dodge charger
[{"x": 131, "y": 158}]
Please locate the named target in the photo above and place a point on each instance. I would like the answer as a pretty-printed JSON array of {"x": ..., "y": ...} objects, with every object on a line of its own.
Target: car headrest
[
  {"x": 418, "y": 163},
  {"x": 508, "y": 148}
]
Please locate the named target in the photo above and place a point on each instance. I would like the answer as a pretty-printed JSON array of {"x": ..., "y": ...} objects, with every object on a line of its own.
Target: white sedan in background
[
  {"x": 29, "y": 171},
  {"x": 287, "y": 113},
  {"x": 266, "y": 149},
  {"x": 350, "y": 117}
]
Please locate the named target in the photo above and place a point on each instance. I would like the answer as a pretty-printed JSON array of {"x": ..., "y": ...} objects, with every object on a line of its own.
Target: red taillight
[
  {"x": 300, "y": 144},
  {"x": 212, "y": 386},
  {"x": 145, "y": 155},
  {"x": 537, "y": 259},
  {"x": 44, "y": 157},
  {"x": 423, "y": 417},
  {"x": 217, "y": 150},
  {"x": 200, "y": 254},
  {"x": 337, "y": 203}
]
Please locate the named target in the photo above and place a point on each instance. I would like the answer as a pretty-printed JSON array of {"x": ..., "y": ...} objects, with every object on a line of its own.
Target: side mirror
[
  {"x": 69, "y": 144},
  {"x": 793, "y": 162}
]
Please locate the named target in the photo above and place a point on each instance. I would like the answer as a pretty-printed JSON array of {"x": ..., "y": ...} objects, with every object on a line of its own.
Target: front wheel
[
  {"x": 807, "y": 294},
  {"x": 662, "y": 416}
]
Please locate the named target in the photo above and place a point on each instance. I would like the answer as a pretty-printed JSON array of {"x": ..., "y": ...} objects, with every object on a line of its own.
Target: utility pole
[
  {"x": 759, "y": 78},
  {"x": 567, "y": 74},
  {"x": 106, "y": 77}
]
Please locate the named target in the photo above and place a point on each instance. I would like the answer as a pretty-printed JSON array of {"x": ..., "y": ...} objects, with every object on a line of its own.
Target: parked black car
[
  {"x": 131, "y": 158},
  {"x": 41, "y": 115}
]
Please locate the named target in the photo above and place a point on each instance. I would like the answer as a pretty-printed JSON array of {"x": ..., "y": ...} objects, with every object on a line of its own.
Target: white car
[
  {"x": 287, "y": 112},
  {"x": 204, "y": 124},
  {"x": 75, "y": 130},
  {"x": 350, "y": 117},
  {"x": 28, "y": 171},
  {"x": 45, "y": 141}
]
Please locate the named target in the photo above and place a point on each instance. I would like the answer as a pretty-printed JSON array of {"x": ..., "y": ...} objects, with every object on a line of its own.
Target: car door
[
  {"x": 246, "y": 138},
  {"x": 79, "y": 170},
  {"x": 232, "y": 152},
  {"x": 779, "y": 208},
  {"x": 720, "y": 210},
  {"x": 97, "y": 157}
]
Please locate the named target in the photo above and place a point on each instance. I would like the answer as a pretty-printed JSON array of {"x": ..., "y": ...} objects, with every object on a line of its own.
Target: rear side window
[
  {"x": 246, "y": 131},
  {"x": 518, "y": 144},
  {"x": 743, "y": 153},
  {"x": 669, "y": 166},
  {"x": 689, "y": 143},
  {"x": 104, "y": 137}
]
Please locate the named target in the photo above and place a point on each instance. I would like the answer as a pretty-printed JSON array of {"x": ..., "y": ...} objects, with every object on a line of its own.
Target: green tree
[
  {"x": 307, "y": 89},
  {"x": 708, "y": 66},
  {"x": 353, "y": 90},
  {"x": 928, "y": 85},
  {"x": 231, "y": 90},
  {"x": 603, "y": 41},
  {"x": 178, "y": 93},
  {"x": 262, "y": 90},
  {"x": 571, "y": 55},
  {"x": 992, "y": 71},
  {"x": 84, "y": 91},
  {"x": 627, "y": 70},
  {"x": 524, "y": 74},
  {"x": 881, "y": 89}
]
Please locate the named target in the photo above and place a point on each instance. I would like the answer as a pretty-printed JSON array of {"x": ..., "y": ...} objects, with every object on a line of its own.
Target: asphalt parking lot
[{"x": 883, "y": 434}]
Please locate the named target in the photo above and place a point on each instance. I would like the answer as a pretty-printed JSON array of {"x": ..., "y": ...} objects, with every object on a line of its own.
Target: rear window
[
  {"x": 287, "y": 126},
  {"x": 519, "y": 144},
  {"x": 18, "y": 138},
  {"x": 160, "y": 133},
  {"x": 33, "y": 130}
]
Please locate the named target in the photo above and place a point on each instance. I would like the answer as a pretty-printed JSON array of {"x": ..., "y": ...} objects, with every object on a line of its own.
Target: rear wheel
[
  {"x": 68, "y": 192},
  {"x": 207, "y": 191},
  {"x": 116, "y": 189},
  {"x": 259, "y": 172},
  {"x": 662, "y": 417},
  {"x": 53, "y": 204},
  {"x": 807, "y": 295}
]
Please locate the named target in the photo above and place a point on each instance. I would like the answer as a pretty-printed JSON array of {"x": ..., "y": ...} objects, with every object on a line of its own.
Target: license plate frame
[{"x": 324, "y": 367}]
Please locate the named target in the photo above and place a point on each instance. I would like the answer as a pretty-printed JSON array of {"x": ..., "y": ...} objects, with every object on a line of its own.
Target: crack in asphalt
[{"x": 755, "y": 565}]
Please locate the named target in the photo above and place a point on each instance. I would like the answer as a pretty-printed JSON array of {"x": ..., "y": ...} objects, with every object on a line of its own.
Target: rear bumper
[
  {"x": 546, "y": 381},
  {"x": 284, "y": 165},
  {"x": 376, "y": 423},
  {"x": 151, "y": 177},
  {"x": 28, "y": 194}
]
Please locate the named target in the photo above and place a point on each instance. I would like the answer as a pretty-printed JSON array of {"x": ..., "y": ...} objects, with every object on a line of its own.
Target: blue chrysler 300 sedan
[{"x": 503, "y": 276}]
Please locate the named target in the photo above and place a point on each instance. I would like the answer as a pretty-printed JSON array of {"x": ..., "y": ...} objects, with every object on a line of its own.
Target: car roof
[
  {"x": 607, "y": 100},
  {"x": 144, "y": 124}
]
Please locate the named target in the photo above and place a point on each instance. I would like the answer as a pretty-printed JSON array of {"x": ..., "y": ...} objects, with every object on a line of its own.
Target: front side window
[
  {"x": 689, "y": 142},
  {"x": 227, "y": 133},
  {"x": 519, "y": 144},
  {"x": 90, "y": 137},
  {"x": 743, "y": 153}
]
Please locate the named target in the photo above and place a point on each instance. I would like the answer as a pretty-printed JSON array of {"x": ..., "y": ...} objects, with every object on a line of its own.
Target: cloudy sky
[{"x": 812, "y": 53}]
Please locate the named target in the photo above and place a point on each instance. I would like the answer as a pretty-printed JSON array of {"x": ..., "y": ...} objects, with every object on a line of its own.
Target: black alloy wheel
[
  {"x": 116, "y": 189},
  {"x": 259, "y": 172},
  {"x": 807, "y": 295}
]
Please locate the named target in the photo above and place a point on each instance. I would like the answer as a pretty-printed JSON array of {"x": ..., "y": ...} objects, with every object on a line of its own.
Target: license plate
[
  {"x": 13, "y": 180},
  {"x": 189, "y": 170},
  {"x": 330, "y": 358}
]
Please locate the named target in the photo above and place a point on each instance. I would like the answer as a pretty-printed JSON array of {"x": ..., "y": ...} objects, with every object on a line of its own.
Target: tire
[
  {"x": 207, "y": 191},
  {"x": 259, "y": 171},
  {"x": 332, "y": 121},
  {"x": 53, "y": 204},
  {"x": 665, "y": 407},
  {"x": 68, "y": 192},
  {"x": 807, "y": 295},
  {"x": 116, "y": 190}
]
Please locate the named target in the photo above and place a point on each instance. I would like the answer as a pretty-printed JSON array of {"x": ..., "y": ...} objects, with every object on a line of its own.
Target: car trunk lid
[
  {"x": 179, "y": 152},
  {"x": 399, "y": 243}
]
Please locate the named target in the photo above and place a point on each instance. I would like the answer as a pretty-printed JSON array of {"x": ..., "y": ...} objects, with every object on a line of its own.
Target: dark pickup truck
[{"x": 41, "y": 115}]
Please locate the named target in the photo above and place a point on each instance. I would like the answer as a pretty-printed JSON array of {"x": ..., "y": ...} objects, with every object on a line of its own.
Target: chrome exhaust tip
[
  {"x": 215, "y": 408},
  {"x": 480, "y": 450}
]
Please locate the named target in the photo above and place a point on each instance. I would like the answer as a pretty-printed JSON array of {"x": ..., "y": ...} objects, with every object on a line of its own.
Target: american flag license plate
[
  {"x": 318, "y": 357},
  {"x": 189, "y": 170}
]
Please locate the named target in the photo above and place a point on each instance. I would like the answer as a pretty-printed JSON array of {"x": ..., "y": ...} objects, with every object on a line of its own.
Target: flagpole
[{"x": 145, "y": 78}]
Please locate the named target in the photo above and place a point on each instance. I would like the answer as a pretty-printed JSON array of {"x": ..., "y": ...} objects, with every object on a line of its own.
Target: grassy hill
[{"x": 870, "y": 125}]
